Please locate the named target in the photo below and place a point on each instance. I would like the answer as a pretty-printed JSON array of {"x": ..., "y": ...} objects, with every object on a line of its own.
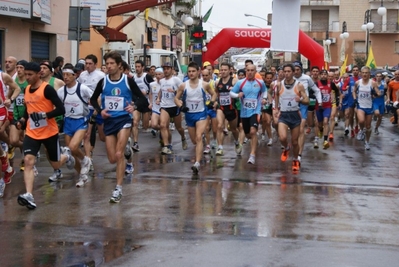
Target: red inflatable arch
[{"x": 259, "y": 38}]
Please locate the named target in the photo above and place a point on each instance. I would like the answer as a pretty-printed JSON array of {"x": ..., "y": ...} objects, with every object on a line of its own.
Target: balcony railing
[
  {"x": 320, "y": 2},
  {"x": 307, "y": 26},
  {"x": 385, "y": 27}
]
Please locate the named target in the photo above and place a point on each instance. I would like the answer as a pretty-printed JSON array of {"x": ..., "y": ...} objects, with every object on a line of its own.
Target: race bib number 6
[{"x": 114, "y": 103}]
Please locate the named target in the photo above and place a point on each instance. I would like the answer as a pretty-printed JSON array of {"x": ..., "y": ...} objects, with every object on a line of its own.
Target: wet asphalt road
[{"x": 340, "y": 210}]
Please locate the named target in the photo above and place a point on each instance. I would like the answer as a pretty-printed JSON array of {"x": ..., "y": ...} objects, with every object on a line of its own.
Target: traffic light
[{"x": 198, "y": 34}]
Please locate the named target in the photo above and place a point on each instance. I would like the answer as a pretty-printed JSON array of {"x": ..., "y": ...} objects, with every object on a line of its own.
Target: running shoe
[
  {"x": 128, "y": 149},
  {"x": 184, "y": 143},
  {"x": 238, "y": 149},
  {"x": 116, "y": 196},
  {"x": 166, "y": 151},
  {"x": 136, "y": 147},
  {"x": 207, "y": 149},
  {"x": 346, "y": 131},
  {"x": 219, "y": 152},
  {"x": 251, "y": 159},
  {"x": 263, "y": 138},
  {"x": 27, "y": 200},
  {"x": 270, "y": 142},
  {"x": 11, "y": 152},
  {"x": 367, "y": 145},
  {"x": 8, "y": 176},
  {"x": 196, "y": 167},
  {"x": 326, "y": 144},
  {"x": 225, "y": 131},
  {"x": 296, "y": 165},
  {"x": 35, "y": 171},
  {"x": 57, "y": 175},
  {"x": 331, "y": 137},
  {"x": 360, "y": 135},
  {"x": 316, "y": 143},
  {"x": 129, "y": 168},
  {"x": 83, "y": 179},
  {"x": 91, "y": 165},
  {"x": 245, "y": 140},
  {"x": 154, "y": 133},
  {"x": 376, "y": 132},
  {"x": 70, "y": 163},
  {"x": 2, "y": 187},
  {"x": 172, "y": 126},
  {"x": 85, "y": 165},
  {"x": 284, "y": 154}
]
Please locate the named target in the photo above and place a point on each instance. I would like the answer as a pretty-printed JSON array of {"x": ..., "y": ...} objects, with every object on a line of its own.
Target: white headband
[{"x": 68, "y": 71}]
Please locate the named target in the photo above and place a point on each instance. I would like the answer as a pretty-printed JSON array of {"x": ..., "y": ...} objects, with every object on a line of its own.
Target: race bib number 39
[
  {"x": 250, "y": 103},
  {"x": 114, "y": 103}
]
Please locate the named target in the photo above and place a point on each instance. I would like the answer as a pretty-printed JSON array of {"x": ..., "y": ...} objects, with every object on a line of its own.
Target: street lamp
[
  {"x": 251, "y": 25},
  {"x": 382, "y": 10},
  {"x": 367, "y": 26},
  {"x": 250, "y": 15},
  {"x": 345, "y": 33},
  {"x": 187, "y": 20}
]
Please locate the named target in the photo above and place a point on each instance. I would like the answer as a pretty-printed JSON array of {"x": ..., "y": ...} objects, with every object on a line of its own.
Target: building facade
[
  {"x": 326, "y": 17},
  {"x": 34, "y": 32}
]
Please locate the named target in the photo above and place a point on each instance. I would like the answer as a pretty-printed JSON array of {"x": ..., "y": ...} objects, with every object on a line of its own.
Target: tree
[{"x": 360, "y": 61}]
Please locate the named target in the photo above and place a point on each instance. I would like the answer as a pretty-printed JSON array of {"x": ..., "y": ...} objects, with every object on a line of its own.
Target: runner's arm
[
  {"x": 52, "y": 95},
  {"x": 14, "y": 88},
  {"x": 96, "y": 94},
  {"x": 315, "y": 90},
  {"x": 179, "y": 93}
]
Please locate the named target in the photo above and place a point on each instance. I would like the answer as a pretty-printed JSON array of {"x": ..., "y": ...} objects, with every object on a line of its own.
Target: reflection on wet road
[{"x": 343, "y": 196}]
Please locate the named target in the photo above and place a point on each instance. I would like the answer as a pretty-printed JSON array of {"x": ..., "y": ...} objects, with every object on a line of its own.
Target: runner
[
  {"x": 365, "y": 89},
  {"x": 191, "y": 99},
  {"x": 90, "y": 77},
  {"x": 289, "y": 94},
  {"x": 267, "y": 111},
  {"x": 323, "y": 115},
  {"x": 379, "y": 102},
  {"x": 166, "y": 96},
  {"x": 212, "y": 123},
  {"x": 42, "y": 106},
  {"x": 226, "y": 109},
  {"x": 75, "y": 97},
  {"x": 250, "y": 92},
  {"x": 117, "y": 91},
  {"x": 143, "y": 81},
  {"x": 156, "y": 109},
  {"x": 308, "y": 85}
]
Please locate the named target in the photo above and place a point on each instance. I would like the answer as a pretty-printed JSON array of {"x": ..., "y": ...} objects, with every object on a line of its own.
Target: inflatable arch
[{"x": 259, "y": 38}]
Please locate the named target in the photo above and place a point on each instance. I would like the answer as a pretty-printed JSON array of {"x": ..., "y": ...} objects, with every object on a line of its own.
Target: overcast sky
[{"x": 230, "y": 13}]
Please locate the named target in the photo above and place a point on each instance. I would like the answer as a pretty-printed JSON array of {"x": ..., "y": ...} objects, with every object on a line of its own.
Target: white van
[{"x": 157, "y": 57}]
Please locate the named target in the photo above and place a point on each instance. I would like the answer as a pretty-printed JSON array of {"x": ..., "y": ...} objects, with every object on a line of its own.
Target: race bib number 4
[
  {"x": 114, "y": 103},
  {"x": 37, "y": 124},
  {"x": 250, "y": 103}
]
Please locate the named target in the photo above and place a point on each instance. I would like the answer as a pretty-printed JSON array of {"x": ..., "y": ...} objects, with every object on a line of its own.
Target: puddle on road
[{"x": 74, "y": 254}]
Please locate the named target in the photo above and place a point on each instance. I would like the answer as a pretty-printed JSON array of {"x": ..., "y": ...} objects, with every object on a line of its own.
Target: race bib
[
  {"x": 20, "y": 100},
  {"x": 250, "y": 103},
  {"x": 364, "y": 95},
  {"x": 225, "y": 100},
  {"x": 326, "y": 98},
  {"x": 168, "y": 95},
  {"x": 193, "y": 105},
  {"x": 73, "y": 108},
  {"x": 37, "y": 124},
  {"x": 312, "y": 102},
  {"x": 114, "y": 103}
]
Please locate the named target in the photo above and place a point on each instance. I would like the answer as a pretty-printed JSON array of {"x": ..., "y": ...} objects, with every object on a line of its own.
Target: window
[
  {"x": 392, "y": 20},
  {"x": 43, "y": 46},
  {"x": 320, "y": 19},
  {"x": 397, "y": 47},
  {"x": 147, "y": 62},
  {"x": 359, "y": 47}
]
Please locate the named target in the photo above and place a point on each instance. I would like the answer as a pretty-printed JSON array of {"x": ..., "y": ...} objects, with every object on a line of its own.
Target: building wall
[
  {"x": 17, "y": 33},
  {"x": 353, "y": 13}
]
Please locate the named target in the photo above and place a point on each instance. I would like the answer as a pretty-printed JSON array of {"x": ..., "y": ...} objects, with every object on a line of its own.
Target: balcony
[
  {"x": 385, "y": 28},
  {"x": 320, "y": 2},
  {"x": 307, "y": 26}
]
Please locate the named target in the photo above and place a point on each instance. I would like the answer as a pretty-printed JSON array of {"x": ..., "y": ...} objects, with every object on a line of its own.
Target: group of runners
[{"x": 112, "y": 102}]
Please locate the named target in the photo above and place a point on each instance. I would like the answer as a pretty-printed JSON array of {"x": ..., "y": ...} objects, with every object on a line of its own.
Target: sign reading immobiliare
[{"x": 16, "y": 8}]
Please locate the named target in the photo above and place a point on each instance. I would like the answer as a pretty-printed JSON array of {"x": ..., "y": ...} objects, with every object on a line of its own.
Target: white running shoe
[{"x": 83, "y": 179}]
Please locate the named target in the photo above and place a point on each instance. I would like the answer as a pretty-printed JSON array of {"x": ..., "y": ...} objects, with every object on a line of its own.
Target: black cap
[
  {"x": 22, "y": 63},
  {"x": 298, "y": 64},
  {"x": 32, "y": 66},
  {"x": 47, "y": 65},
  {"x": 241, "y": 71},
  {"x": 167, "y": 64},
  {"x": 79, "y": 67}
]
